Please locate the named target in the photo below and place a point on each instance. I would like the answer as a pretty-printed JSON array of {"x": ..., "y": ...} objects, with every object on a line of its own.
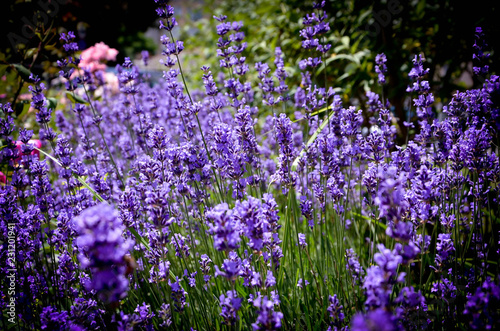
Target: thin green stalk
[
  {"x": 95, "y": 113},
  {"x": 196, "y": 115}
]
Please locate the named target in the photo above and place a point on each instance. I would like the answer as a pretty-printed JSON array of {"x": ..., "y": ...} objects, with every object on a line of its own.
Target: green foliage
[
  {"x": 441, "y": 30},
  {"x": 269, "y": 24}
]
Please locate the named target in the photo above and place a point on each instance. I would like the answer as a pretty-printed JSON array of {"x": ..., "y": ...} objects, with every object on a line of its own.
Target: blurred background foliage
[
  {"x": 29, "y": 42},
  {"x": 441, "y": 30}
]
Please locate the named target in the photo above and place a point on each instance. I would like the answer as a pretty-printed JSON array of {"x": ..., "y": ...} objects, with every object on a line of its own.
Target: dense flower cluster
[{"x": 102, "y": 250}]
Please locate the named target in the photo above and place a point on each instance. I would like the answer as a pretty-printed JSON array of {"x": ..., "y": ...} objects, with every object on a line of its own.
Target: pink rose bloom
[
  {"x": 111, "y": 54},
  {"x": 3, "y": 178},
  {"x": 94, "y": 58}
]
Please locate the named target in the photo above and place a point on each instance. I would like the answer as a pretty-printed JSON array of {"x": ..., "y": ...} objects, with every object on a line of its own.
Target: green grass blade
[{"x": 312, "y": 139}]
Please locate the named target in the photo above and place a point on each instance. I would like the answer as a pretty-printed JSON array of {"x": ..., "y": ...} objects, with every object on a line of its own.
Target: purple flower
[
  {"x": 424, "y": 99},
  {"x": 418, "y": 70},
  {"x": 336, "y": 311},
  {"x": 85, "y": 314},
  {"x": 231, "y": 267},
  {"x": 162, "y": 273},
  {"x": 111, "y": 284},
  {"x": 386, "y": 259},
  {"x": 270, "y": 279},
  {"x": 69, "y": 45},
  {"x": 255, "y": 279},
  {"x": 444, "y": 249},
  {"x": 245, "y": 132},
  {"x": 223, "y": 28},
  {"x": 302, "y": 240},
  {"x": 180, "y": 244},
  {"x": 311, "y": 32},
  {"x": 224, "y": 227},
  {"x": 423, "y": 243},
  {"x": 143, "y": 316},
  {"x": 230, "y": 304},
  {"x": 145, "y": 57},
  {"x": 352, "y": 264},
  {"x": 51, "y": 319},
  {"x": 400, "y": 230},
  {"x": 408, "y": 252},
  {"x": 191, "y": 278},
  {"x": 253, "y": 224},
  {"x": 445, "y": 290},
  {"x": 380, "y": 278},
  {"x": 283, "y": 130},
  {"x": 390, "y": 196},
  {"x": 411, "y": 309},
  {"x": 480, "y": 57},
  {"x": 375, "y": 320},
  {"x": 280, "y": 72},
  {"x": 307, "y": 210},
  {"x": 483, "y": 305},
  {"x": 103, "y": 249},
  {"x": 380, "y": 67},
  {"x": 205, "y": 267},
  {"x": 267, "y": 318},
  {"x": 208, "y": 81},
  {"x": 178, "y": 294},
  {"x": 165, "y": 315},
  {"x": 128, "y": 76},
  {"x": 166, "y": 12},
  {"x": 100, "y": 236}
]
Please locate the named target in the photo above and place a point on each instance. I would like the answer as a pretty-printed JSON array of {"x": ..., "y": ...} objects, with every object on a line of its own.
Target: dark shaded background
[{"x": 117, "y": 23}]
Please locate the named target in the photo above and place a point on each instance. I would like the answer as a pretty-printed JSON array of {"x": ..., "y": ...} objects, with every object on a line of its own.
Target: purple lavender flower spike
[
  {"x": 178, "y": 295},
  {"x": 480, "y": 57},
  {"x": 231, "y": 267},
  {"x": 205, "y": 267},
  {"x": 224, "y": 227},
  {"x": 270, "y": 279},
  {"x": 482, "y": 306},
  {"x": 315, "y": 27},
  {"x": 283, "y": 129},
  {"x": 267, "y": 318},
  {"x": 336, "y": 311},
  {"x": 375, "y": 320},
  {"x": 411, "y": 309},
  {"x": 249, "y": 214},
  {"x": 380, "y": 67},
  {"x": 103, "y": 249},
  {"x": 444, "y": 250},
  {"x": 380, "y": 278},
  {"x": 230, "y": 304},
  {"x": 352, "y": 264},
  {"x": 302, "y": 240}
]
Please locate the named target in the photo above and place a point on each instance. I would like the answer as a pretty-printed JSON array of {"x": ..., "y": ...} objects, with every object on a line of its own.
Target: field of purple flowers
[{"x": 248, "y": 206}]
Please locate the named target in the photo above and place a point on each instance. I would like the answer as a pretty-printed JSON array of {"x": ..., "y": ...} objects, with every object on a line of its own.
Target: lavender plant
[{"x": 160, "y": 206}]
